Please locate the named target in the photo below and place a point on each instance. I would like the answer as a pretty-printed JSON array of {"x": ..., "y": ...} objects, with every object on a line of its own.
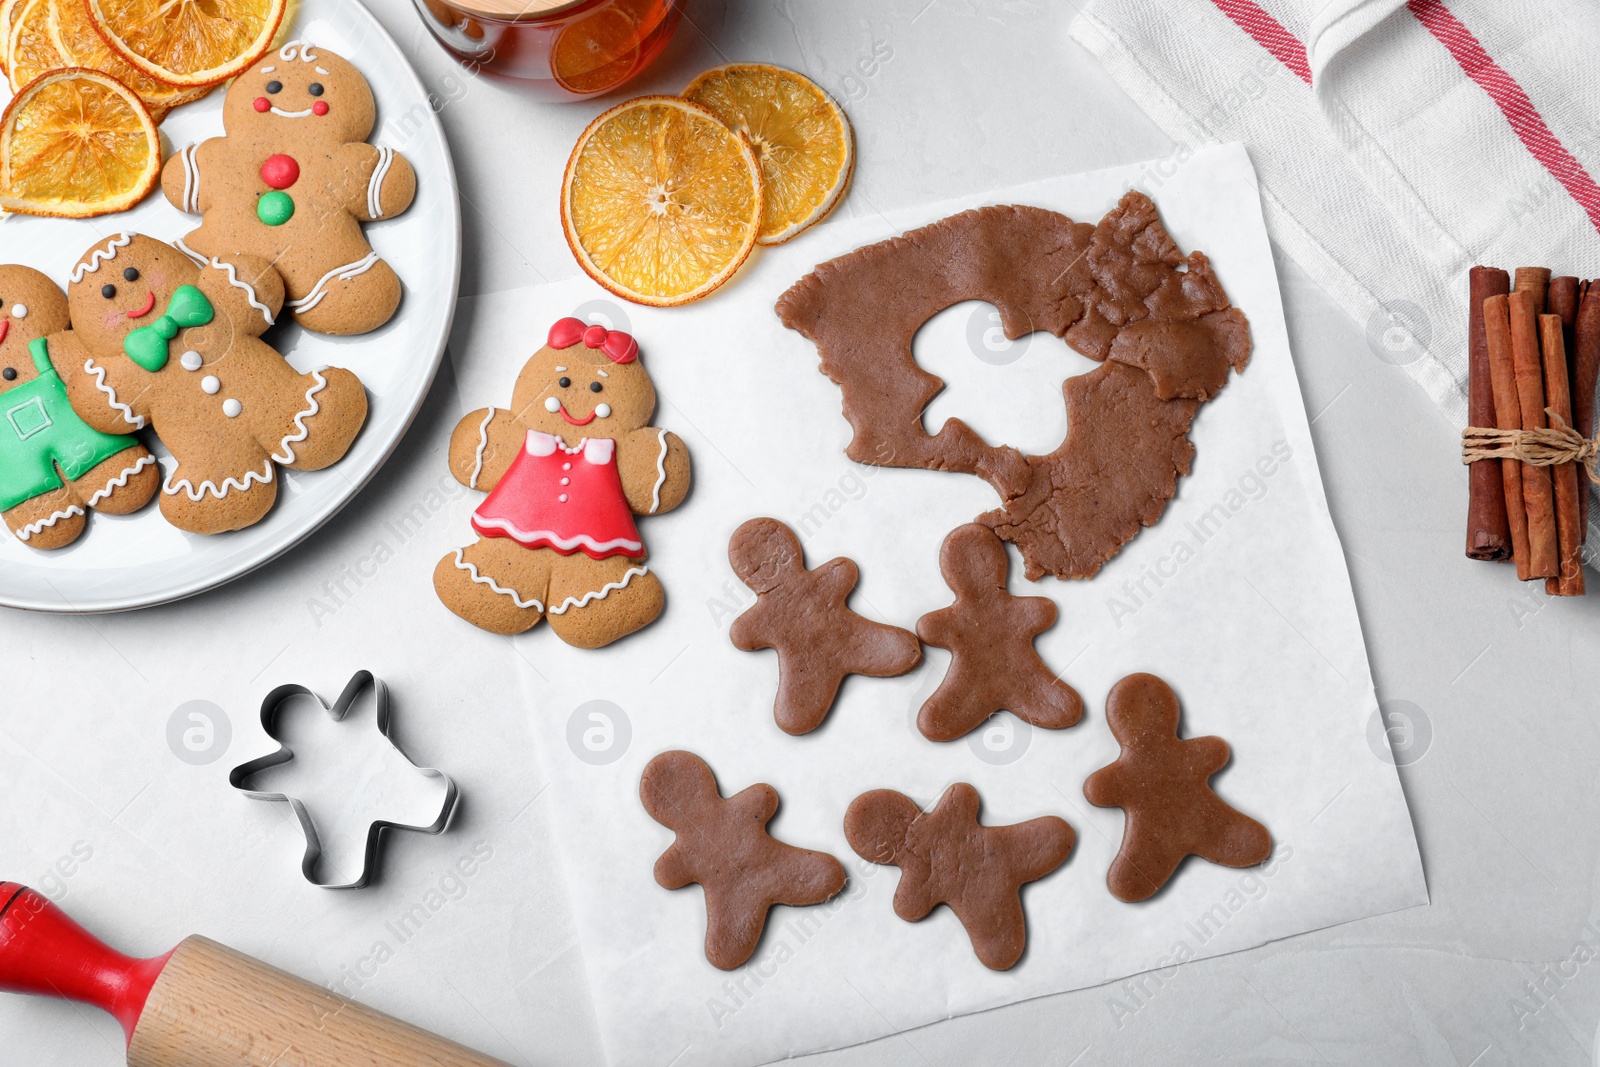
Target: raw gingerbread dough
[
  {"x": 1162, "y": 784},
  {"x": 1118, "y": 292},
  {"x": 989, "y": 632},
  {"x": 946, "y": 856},
  {"x": 803, "y": 614},
  {"x": 723, "y": 845}
]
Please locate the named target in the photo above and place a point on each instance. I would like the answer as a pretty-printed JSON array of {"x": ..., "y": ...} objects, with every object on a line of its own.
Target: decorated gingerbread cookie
[
  {"x": 566, "y": 467},
  {"x": 989, "y": 632},
  {"x": 1162, "y": 784},
  {"x": 804, "y": 615},
  {"x": 723, "y": 845},
  {"x": 292, "y": 180},
  {"x": 946, "y": 856},
  {"x": 54, "y": 467},
  {"x": 159, "y": 341}
]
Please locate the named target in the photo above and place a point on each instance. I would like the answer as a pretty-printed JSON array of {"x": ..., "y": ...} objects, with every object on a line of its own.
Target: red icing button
[
  {"x": 320, "y": 107},
  {"x": 262, "y": 103},
  {"x": 280, "y": 171}
]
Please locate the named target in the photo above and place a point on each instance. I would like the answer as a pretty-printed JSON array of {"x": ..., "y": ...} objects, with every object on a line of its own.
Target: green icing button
[{"x": 275, "y": 208}]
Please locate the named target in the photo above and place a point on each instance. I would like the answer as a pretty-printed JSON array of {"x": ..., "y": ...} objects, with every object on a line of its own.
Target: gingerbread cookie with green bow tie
[
  {"x": 54, "y": 467},
  {"x": 157, "y": 340}
]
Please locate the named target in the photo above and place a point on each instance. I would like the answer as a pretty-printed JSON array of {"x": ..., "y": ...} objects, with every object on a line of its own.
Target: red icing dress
[{"x": 563, "y": 498}]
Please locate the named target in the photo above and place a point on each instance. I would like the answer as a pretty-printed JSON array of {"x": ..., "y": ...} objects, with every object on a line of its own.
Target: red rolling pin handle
[{"x": 42, "y": 951}]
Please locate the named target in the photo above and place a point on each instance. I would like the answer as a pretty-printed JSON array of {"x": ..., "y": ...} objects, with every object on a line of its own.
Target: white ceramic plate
[{"x": 137, "y": 560}]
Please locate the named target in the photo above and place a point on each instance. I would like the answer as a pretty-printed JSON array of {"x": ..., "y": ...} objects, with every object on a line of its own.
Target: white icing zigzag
[
  {"x": 136, "y": 421},
  {"x": 99, "y": 256},
  {"x": 34, "y": 527},
  {"x": 249, "y": 290},
  {"x": 199, "y": 260},
  {"x": 483, "y": 579},
  {"x": 661, "y": 474},
  {"x": 375, "y": 183},
  {"x": 483, "y": 442},
  {"x": 344, "y": 274},
  {"x": 120, "y": 481},
  {"x": 601, "y": 593},
  {"x": 262, "y": 477},
  {"x": 191, "y": 180},
  {"x": 297, "y": 50}
]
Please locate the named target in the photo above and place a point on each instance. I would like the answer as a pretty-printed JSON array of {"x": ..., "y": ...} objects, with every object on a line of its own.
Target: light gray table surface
[{"x": 967, "y": 95}]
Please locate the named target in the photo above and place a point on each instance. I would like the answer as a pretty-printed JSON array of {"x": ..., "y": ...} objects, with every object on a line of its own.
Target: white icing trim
[
  {"x": 249, "y": 290},
  {"x": 483, "y": 579},
  {"x": 297, "y": 50},
  {"x": 483, "y": 442},
  {"x": 602, "y": 374},
  {"x": 375, "y": 183},
  {"x": 285, "y": 454},
  {"x": 344, "y": 274},
  {"x": 90, "y": 367},
  {"x": 121, "y": 480},
  {"x": 199, "y": 260},
  {"x": 99, "y": 256},
  {"x": 268, "y": 70},
  {"x": 566, "y": 544},
  {"x": 598, "y": 450},
  {"x": 601, "y": 593},
  {"x": 319, "y": 70},
  {"x": 282, "y": 114},
  {"x": 34, "y": 527},
  {"x": 661, "y": 474},
  {"x": 191, "y": 180}
]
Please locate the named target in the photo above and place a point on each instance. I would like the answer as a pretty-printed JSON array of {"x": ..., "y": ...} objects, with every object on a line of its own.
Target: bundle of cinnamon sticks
[{"x": 1534, "y": 358}]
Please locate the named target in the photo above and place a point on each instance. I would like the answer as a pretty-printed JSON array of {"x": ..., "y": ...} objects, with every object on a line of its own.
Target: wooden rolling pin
[{"x": 203, "y": 1004}]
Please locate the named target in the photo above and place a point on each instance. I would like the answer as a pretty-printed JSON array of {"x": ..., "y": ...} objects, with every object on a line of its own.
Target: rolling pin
[{"x": 203, "y": 1004}]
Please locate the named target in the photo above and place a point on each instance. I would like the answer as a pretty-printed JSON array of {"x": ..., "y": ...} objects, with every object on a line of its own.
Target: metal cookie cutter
[{"x": 313, "y": 854}]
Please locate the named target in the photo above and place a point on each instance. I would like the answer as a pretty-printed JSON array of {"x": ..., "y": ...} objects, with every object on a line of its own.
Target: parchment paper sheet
[{"x": 1239, "y": 597}]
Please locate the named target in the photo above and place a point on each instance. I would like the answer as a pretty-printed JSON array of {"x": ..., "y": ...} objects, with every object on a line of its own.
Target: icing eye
[
  {"x": 9, "y": 374},
  {"x": 594, "y": 387},
  {"x": 563, "y": 382},
  {"x": 315, "y": 88},
  {"x": 274, "y": 86},
  {"x": 131, "y": 274},
  {"x": 108, "y": 291}
]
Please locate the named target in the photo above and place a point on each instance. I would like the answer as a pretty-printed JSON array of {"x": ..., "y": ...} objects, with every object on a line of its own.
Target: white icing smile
[{"x": 278, "y": 111}]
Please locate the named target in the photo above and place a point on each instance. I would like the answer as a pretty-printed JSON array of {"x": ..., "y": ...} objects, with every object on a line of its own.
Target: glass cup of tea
[{"x": 563, "y": 49}]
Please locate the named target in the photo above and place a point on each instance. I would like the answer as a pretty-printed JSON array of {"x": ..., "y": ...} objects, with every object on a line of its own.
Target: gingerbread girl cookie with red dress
[
  {"x": 292, "y": 180},
  {"x": 566, "y": 467}
]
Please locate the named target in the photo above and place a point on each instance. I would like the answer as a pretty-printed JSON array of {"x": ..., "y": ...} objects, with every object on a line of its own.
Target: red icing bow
[{"x": 619, "y": 347}]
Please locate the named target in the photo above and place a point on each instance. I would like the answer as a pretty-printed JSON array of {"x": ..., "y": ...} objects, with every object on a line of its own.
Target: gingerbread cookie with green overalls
[
  {"x": 567, "y": 468},
  {"x": 292, "y": 180},
  {"x": 157, "y": 340},
  {"x": 54, "y": 467}
]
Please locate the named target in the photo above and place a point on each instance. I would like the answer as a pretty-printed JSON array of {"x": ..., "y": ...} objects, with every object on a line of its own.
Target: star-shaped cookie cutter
[{"x": 313, "y": 854}]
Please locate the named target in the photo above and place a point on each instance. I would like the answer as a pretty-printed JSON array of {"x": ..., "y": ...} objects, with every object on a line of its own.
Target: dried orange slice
[
  {"x": 30, "y": 51},
  {"x": 799, "y": 134},
  {"x": 188, "y": 43},
  {"x": 598, "y": 52},
  {"x": 73, "y": 34},
  {"x": 76, "y": 143},
  {"x": 7, "y": 9},
  {"x": 661, "y": 202}
]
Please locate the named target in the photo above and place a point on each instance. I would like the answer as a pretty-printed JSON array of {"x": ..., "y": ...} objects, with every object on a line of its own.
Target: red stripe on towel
[{"x": 1269, "y": 33}]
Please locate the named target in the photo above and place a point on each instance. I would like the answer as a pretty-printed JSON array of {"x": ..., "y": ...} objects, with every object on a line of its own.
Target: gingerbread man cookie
[
  {"x": 803, "y": 615},
  {"x": 1161, "y": 783},
  {"x": 292, "y": 180},
  {"x": 946, "y": 856},
  {"x": 989, "y": 632},
  {"x": 723, "y": 845},
  {"x": 567, "y": 468},
  {"x": 54, "y": 466},
  {"x": 157, "y": 340}
]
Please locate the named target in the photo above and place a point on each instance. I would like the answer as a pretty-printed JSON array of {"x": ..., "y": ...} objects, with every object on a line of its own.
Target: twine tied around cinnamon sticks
[{"x": 1546, "y": 447}]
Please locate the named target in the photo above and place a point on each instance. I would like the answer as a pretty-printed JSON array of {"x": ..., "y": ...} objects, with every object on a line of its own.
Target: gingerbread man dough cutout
[
  {"x": 803, "y": 615},
  {"x": 1161, "y": 783},
  {"x": 157, "y": 340},
  {"x": 292, "y": 180},
  {"x": 54, "y": 467},
  {"x": 567, "y": 468},
  {"x": 989, "y": 632},
  {"x": 723, "y": 845},
  {"x": 946, "y": 856}
]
